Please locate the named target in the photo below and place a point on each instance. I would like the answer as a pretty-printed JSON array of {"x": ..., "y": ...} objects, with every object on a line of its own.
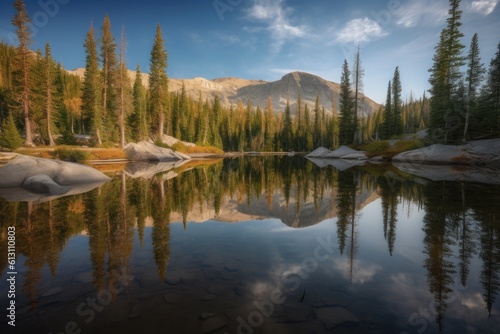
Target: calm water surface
[{"x": 257, "y": 245}]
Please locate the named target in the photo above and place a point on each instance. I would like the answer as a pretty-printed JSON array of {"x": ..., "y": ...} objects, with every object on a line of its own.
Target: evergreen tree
[
  {"x": 308, "y": 137},
  {"x": 139, "y": 121},
  {"x": 346, "y": 126},
  {"x": 63, "y": 119},
  {"x": 299, "y": 135},
  {"x": 22, "y": 22},
  {"x": 124, "y": 90},
  {"x": 158, "y": 83},
  {"x": 445, "y": 74},
  {"x": 475, "y": 73},
  {"x": 91, "y": 88},
  {"x": 388, "y": 116},
  {"x": 287, "y": 133},
  {"x": 357, "y": 74},
  {"x": 397, "y": 111},
  {"x": 10, "y": 136},
  {"x": 49, "y": 89},
  {"x": 317, "y": 124},
  {"x": 109, "y": 77},
  {"x": 493, "y": 93}
]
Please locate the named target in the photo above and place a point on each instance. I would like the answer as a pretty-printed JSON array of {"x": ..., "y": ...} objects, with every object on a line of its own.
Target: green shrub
[
  {"x": 71, "y": 155},
  {"x": 9, "y": 135},
  {"x": 377, "y": 148}
]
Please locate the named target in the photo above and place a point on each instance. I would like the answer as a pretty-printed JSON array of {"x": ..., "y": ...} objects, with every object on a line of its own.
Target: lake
[{"x": 256, "y": 245}]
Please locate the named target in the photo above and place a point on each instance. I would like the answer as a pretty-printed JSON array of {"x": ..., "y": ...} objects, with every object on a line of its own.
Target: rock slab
[{"x": 147, "y": 151}]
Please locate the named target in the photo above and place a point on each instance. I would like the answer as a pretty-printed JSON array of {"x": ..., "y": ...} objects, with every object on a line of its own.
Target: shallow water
[{"x": 258, "y": 245}]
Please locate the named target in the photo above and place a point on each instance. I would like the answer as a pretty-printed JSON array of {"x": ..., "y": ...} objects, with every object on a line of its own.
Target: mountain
[{"x": 233, "y": 90}]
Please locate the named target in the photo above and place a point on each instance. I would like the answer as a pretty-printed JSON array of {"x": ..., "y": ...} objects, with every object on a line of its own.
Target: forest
[{"x": 42, "y": 104}]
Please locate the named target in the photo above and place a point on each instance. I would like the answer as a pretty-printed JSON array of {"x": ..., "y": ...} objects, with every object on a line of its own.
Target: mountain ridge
[{"x": 231, "y": 90}]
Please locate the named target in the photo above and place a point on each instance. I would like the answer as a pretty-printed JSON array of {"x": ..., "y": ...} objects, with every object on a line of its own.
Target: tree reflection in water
[{"x": 462, "y": 220}]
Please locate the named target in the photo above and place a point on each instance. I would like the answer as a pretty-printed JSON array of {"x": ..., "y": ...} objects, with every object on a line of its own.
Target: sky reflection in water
[{"x": 263, "y": 244}]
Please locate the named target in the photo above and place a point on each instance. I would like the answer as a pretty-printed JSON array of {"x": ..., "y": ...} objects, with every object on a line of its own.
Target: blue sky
[{"x": 265, "y": 39}]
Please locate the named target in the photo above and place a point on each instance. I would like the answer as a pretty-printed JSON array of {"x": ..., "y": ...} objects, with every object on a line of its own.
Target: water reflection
[{"x": 461, "y": 231}]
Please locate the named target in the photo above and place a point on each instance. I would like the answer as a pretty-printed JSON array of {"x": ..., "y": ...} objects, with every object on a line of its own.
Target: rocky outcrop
[
  {"x": 147, "y": 151},
  {"x": 480, "y": 152},
  {"x": 171, "y": 141},
  {"x": 343, "y": 152},
  {"x": 48, "y": 177}
]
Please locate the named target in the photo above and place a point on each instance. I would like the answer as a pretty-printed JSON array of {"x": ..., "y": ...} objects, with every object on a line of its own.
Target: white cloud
[
  {"x": 225, "y": 37},
  {"x": 484, "y": 7},
  {"x": 275, "y": 15},
  {"x": 360, "y": 31},
  {"x": 420, "y": 13},
  {"x": 361, "y": 273}
]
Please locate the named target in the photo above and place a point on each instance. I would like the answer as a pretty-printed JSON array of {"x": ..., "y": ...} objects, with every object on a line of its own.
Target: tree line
[
  {"x": 50, "y": 105},
  {"x": 465, "y": 98}
]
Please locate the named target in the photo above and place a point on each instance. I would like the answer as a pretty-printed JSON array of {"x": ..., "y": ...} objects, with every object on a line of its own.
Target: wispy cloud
[
  {"x": 484, "y": 7},
  {"x": 276, "y": 17},
  {"x": 423, "y": 12},
  {"x": 360, "y": 31},
  {"x": 225, "y": 37}
]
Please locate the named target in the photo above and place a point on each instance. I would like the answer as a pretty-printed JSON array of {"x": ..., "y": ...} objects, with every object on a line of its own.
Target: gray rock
[
  {"x": 53, "y": 291},
  {"x": 345, "y": 152},
  {"x": 436, "y": 154},
  {"x": 334, "y": 316},
  {"x": 147, "y": 170},
  {"x": 44, "y": 184},
  {"x": 296, "y": 312},
  {"x": 207, "y": 315},
  {"x": 147, "y": 151},
  {"x": 320, "y": 152},
  {"x": 84, "y": 277},
  {"x": 212, "y": 324},
  {"x": 480, "y": 152},
  {"x": 24, "y": 171}
]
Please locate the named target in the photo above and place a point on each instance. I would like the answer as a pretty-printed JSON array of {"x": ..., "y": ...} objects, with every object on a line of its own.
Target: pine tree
[
  {"x": 158, "y": 83},
  {"x": 397, "y": 111},
  {"x": 91, "y": 88},
  {"x": 23, "y": 64},
  {"x": 388, "y": 116},
  {"x": 123, "y": 88},
  {"x": 299, "y": 126},
  {"x": 445, "y": 74},
  {"x": 140, "y": 124},
  {"x": 347, "y": 125},
  {"x": 49, "y": 91},
  {"x": 109, "y": 76},
  {"x": 317, "y": 123},
  {"x": 475, "y": 73},
  {"x": 488, "y": 118},
  {"x": 308, "y": 137},
  {"x": 287, "y": 133},
  {"x": 357, "y": 74},
  {"x": 10, "y": 136}
]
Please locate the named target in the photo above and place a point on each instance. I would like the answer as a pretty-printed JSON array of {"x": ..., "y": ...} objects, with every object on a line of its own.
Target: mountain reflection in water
[{"x": 366, "y": 250}]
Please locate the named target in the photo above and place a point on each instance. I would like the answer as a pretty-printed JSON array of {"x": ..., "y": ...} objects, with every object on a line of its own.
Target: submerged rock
[{"x": 334, "y": 316}]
